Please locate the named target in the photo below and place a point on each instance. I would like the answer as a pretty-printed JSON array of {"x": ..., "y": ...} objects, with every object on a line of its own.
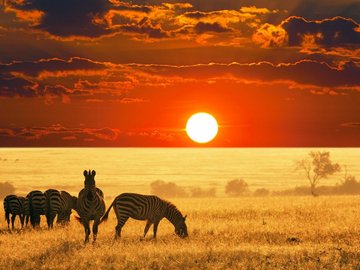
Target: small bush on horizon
[{"x": 236, "y": 187}]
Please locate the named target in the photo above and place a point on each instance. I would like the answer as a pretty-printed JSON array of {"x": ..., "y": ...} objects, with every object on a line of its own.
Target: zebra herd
[
  {"x": 90, "y": 205},
  {"x": 37, "y": 203}
]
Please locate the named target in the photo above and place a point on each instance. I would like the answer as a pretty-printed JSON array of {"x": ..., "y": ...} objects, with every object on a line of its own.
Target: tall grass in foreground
[{"x": 224, "y": 233}]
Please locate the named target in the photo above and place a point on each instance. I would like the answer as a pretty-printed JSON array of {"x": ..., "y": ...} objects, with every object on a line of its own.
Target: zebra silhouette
[
  {"x": 68, "y": 203},
  {"x": 53, "y": 206},
  {"x": 14, "y": 205},
  {"x": 146, "y": 207},
  {"x": 90, "y": 205},
  {"x": 37, "y": 207}
]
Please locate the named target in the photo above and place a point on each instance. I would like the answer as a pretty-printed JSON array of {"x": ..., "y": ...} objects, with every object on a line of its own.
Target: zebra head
[
  {"x": 181, "y": 228},
  {"x": 89, "y": 178}
]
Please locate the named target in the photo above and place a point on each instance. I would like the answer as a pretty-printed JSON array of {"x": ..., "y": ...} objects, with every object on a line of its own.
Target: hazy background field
[
  {"x": 133, "y": 169},
  {"x": 224, "y": 233}
]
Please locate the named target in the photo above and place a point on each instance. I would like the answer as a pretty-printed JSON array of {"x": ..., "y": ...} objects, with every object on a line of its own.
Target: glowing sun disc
[{"x": 201, "y": 127}]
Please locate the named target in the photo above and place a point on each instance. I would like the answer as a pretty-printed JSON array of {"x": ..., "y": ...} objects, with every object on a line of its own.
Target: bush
[
  {"x": 201, "y": 193},
  {"x": 167, "y": 189},
  {"x": 5, "y": 189},
  {"x": 261, "y": 192},
  {"x": 236, "y": 187}
]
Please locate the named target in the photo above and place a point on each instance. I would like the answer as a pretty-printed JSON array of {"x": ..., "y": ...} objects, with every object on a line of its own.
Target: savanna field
[{"x": 224, "y": 233}]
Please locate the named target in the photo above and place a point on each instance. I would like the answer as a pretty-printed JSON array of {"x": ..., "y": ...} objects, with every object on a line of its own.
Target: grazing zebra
[
  {"x": 37, "y": 206},
  {"x": 145, "y": 207},
  {"x": 53, "y": 206},
  {"x": 90, "y": 205},
  {"x": 15, "y": 206},
  {"x": 68, "y": 203}
]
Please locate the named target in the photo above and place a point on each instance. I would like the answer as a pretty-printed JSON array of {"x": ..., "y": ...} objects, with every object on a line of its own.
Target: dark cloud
[
  {"x": 36, "y": 133},
  {"x": 11, "y": 86},
  {"x": 53, "y": 64},
  {"x": 336, "y": 36},
  {"x": 337, "y": 31},
  {"x": 202, "y": 27},
  {"x": 66, "y": 18},
  {"x": 145, "y": 27},
  {"x": 351, "y": 125},
  {"x": 303, "y": 72}
]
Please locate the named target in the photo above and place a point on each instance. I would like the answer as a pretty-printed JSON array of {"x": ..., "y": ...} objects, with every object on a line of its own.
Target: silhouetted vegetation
[
  {"x": 236, "y": 187},
  {"x": 6, "y": 188},
  {"x": 201, "y": 193},
  {"x": 261, "y": 192},
  {"x": 349, "y": 186},
  {"x": 317, "y": 166},
  {"x": 167, "y": 189}
]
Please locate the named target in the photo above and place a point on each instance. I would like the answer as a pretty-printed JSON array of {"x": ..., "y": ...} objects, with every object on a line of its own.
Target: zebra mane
[{"x": 172, "y": 206}]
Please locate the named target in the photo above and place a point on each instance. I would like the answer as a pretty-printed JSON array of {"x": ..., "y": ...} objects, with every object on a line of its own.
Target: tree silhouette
[
  {"x": 6, "y": 189},
  {"x": 236, "y": 187},
  {"x": 317, "y": 166}
]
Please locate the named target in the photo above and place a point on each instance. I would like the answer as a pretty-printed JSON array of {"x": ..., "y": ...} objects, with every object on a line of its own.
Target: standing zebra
[
  {"x": 53, "y": 206},
  {"x": 90, "y": 205},
  {"x": 37, "y": 206},
  {"x": 68, "y": 203},
  {"x": 149, "y": 208},
  {"x": 14, "y": 205}
]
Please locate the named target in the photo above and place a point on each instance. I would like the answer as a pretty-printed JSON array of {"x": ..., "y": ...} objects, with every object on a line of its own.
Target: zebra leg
[
  {"x": 147, "y": 227},
  {"x": 7, "y": 217},
  {"x": 121, "y": 222},
  {"x": 26, "y": 220},
  {"x": 156, "y": 224},
  {"x": 95, "y": 229},
  {"x": 12, "y": 221},
  {"x": 87, "y": 230},
  {"x": 22, "y": 218}
]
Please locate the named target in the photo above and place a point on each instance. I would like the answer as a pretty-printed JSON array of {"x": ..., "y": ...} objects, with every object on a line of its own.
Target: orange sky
[{"x": 119, "y": 73}]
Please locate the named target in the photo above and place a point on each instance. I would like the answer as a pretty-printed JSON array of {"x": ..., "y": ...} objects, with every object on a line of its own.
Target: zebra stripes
[
  {"x": 68, "y": 203},
  {"x": 37, "y": 206},
  {"x": 146, "y": 207},
  {"x": 90, "y": 205},
  {"x": 14, "y": 205},
  {"x": 53, "y": 206}
]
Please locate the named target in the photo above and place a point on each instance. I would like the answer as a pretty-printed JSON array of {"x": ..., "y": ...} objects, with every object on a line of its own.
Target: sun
[{"x": 202, "y": 127}]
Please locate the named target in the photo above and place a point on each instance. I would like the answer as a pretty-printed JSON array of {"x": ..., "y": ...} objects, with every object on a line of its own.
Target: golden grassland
[{"x": 224, "y": 233}]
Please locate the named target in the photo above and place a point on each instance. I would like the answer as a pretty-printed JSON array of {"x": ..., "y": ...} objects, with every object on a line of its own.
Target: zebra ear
[
  {"x": 85, "y": 173},
  {"x": 185, "y": 217},
  {"x": 93, "y": 173}
]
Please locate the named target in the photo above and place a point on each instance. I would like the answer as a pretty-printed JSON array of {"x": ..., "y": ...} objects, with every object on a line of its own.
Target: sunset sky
[{"x": 120, "y": 73}]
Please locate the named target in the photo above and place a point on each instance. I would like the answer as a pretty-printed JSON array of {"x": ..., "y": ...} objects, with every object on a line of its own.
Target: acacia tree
[{"x": 317, "y": 166}]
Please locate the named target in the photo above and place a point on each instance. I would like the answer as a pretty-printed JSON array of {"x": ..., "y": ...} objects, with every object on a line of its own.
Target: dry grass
[{"x": 224, "y": 233}]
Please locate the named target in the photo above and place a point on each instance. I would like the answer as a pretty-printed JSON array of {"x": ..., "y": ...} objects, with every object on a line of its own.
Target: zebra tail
[{"x": 105, "y": 217}]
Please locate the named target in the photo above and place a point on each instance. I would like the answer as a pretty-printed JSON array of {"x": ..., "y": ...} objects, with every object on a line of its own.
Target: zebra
[
  {"x": 37, "y": 206},
  {"x": 146, "y": 207},
  {"x": 14, "y": 205},
  {"x": 26, "y": 211},
  {"x": 68, "y": 203},
  {"x": 53, "y": 206},
  {"x": 90, "y": 205}
]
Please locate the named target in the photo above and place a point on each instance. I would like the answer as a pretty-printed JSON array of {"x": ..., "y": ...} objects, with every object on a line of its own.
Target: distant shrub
[
  {"x": 5, "y": 189},
  {"x": 261, "y": 192},
  {"x": 201, "y": 193},
  {"x": 167, "y": 189},
  {"x": 236, "y": 187},
  {"x": 349, "y": 186}
]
